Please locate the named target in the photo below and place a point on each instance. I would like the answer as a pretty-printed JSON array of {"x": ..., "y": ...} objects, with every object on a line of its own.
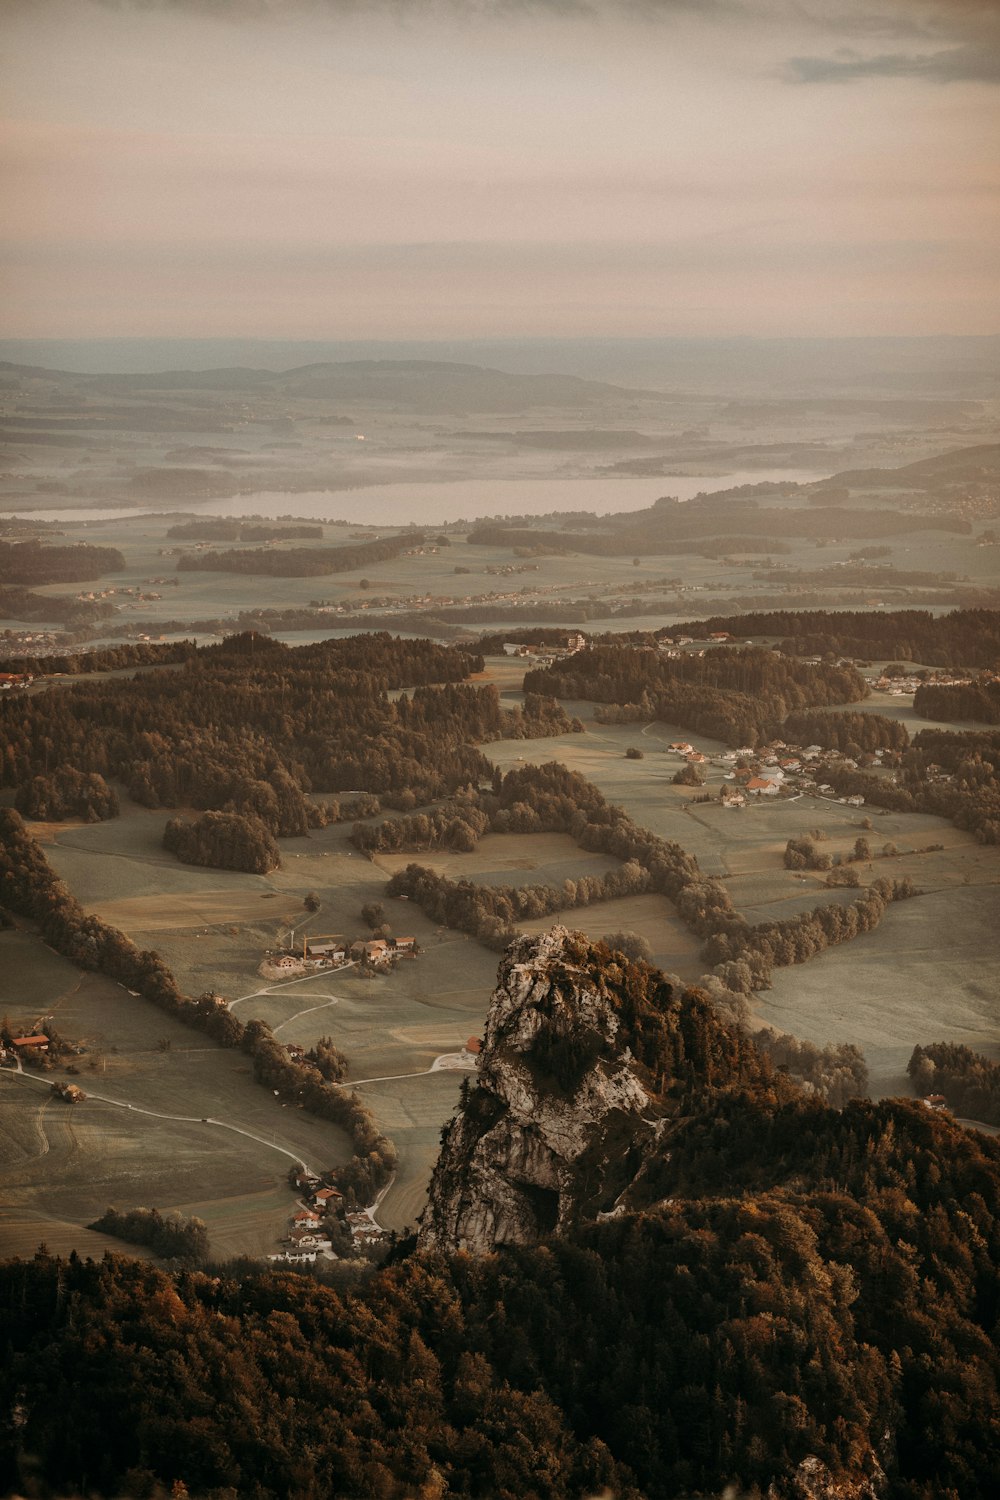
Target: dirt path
[{"x": 448, "y": 1062}]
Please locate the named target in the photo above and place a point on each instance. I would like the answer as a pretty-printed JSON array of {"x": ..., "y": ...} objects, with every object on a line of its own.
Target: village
[{"x": 779, "y": 770}]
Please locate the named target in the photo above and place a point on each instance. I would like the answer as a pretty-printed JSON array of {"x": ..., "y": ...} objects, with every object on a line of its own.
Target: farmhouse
[
  {"x": 327, "y": 1197},
  {"x": 25, "y": 1045},
  {"x": 732, "y": 798},
  {"x": 376, "y": 951},
  {"x": 332, "y": 946},
  {"x": 761, "y": 787}
]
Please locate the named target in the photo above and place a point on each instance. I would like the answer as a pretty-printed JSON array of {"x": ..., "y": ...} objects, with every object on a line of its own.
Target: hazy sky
[{"x": 423, "y": 168}]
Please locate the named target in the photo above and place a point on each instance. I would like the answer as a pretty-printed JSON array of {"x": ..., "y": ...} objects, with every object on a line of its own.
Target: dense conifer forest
[
  {"x": 969, "y": 1082},
  {"x": 961, "y": 638},
  {"x": 33, "y": 562},
  {"x": 251, "y": 727},
  {"x": 740, "y": 695},
  {"x": 807, "y": 1287}
]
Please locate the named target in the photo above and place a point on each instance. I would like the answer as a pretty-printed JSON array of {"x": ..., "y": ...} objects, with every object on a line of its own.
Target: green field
[
  {"x": 929, "y": 973},
  {"x": 146, "y": 1140}
]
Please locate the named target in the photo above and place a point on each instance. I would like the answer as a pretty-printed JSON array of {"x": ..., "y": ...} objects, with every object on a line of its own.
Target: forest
[
  {"x": 241, "y": 529},
  {"x": 969, "y": 1082},
  {"x": 960, "y": 701},
  {"x": 807, "y": 1287},
  {"x": 961, "y": 638},
  {"x": 170, "y": 1236},
  {"x": 300, "y": 562},
  {"x": 33, "y": 562},
  {"x": 741, "y": 695},
  {"x": 297, "y": 720},
  {"x": 72, "y": 614}
]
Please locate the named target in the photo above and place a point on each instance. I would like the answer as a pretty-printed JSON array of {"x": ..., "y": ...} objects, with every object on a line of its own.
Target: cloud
[
  {"x": 953, "y": 41},
  {"x": 953, "y": 65},
  {"x": 469, "y": 9}
]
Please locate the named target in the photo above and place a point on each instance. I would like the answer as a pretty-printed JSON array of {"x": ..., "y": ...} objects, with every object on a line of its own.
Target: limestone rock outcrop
[{"x": 554, "y": 1129}]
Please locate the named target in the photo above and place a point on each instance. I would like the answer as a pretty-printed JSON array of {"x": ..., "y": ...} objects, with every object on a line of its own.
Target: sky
[{"x": 481, "y": 168}]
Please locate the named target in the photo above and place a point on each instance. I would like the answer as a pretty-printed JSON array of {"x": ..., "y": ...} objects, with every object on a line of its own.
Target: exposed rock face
[{"x": 554, "y": 1130}]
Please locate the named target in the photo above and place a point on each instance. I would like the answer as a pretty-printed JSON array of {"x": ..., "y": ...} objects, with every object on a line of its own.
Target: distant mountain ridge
[{"x": 417, "y": 384}]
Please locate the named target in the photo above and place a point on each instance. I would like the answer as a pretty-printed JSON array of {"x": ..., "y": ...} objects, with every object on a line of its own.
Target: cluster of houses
[
  {"x": 777, "y": 770},
  {"x": 334, "y": 952},
  {"x": 11, "y": 680},
  {"x": 319, "y": 1220},
  {"x": 900, "y": 687},
  {"x": 573, "y": 643}
]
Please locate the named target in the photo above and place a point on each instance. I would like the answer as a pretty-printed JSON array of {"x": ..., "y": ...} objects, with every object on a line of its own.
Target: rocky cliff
[{"x": 557, "y": 1124}]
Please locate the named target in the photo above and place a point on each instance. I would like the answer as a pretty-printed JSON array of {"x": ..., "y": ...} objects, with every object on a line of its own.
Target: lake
[{"x": 438, "y": 501}]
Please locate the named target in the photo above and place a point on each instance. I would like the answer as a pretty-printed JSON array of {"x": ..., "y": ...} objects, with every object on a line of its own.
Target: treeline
[
  {"x": 744, "y": 957},
  {"x": 845, "y": 575},
  {"x": 67, "y": 793},
  {"x": 969, "y": 1082},
  {"x": 223, "y": 841},
  {"x": 33, "y": 562},
  {"x": 961, "y": 701},
  {"x": 29, "y": 887},
  {"x": 219, "y": 529},
  {"x": 306, "y": 1083},
  {"x": 659, "y": 530},
  {"x": 456, "y": 827},
  {"x": 551, "y": 799},
  {"x": 491, "y": 913},
  {"x": 301, "y": 562},
  {"x": 837, "y": 1072},
  {"x": 740, "y": 695},
  {"x": 105, "y": 659},
  {"x": 963, "y": 637},
  {"x": 854, "y": 734},
  {"x": 170, "y": 1236},
  {"x": 810, "y": 1300}
]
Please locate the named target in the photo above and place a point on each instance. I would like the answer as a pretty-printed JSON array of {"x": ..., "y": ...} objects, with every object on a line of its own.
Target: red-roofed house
[{"x": 38, "y": 1041}]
